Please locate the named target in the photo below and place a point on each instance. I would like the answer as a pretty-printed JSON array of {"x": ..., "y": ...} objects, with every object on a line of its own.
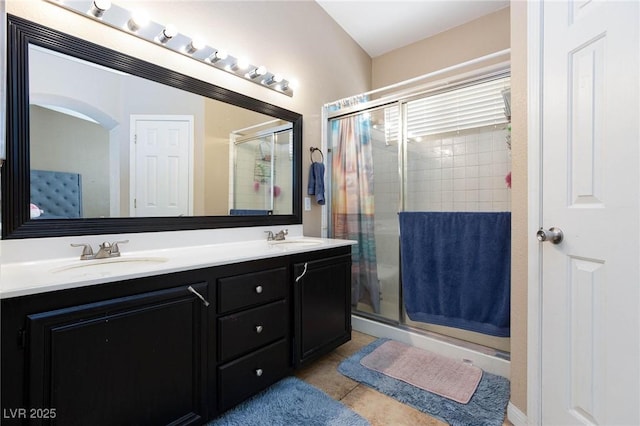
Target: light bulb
[
  {"x": 275, "y": 78},
  {"x": 195, "y": 45},
  {"x": 218, "y": 55},
  {"x": 167, "y": 34},
  {"x": 288, "y": 85},
  {"x": 98, "y": 7},
  {"x": 257, "y": 72},
  {"x": 242, "y": 63},
  {"x": 222, "y": 54},
  {"x": 139, "y": 19}
]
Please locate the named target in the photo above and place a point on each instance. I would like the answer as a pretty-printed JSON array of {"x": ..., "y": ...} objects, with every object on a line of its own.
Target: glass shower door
[
  {"x": 253, "y": 175},
  {"x": 365, "y": 200},
  {"x": 443, "y": 151},
  {"x": 262, "y": 167}
]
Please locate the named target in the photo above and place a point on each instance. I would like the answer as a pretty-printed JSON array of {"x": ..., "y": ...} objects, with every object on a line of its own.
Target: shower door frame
[{"x": 400, "y": 99}]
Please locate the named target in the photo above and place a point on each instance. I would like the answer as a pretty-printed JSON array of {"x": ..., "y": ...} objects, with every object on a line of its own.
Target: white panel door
[
  {"x": 162, "y": 167},
  {"x": 590, "y": 190}
]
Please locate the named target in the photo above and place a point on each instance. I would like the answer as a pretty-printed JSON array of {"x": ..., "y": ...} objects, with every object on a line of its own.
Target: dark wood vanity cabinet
[
  {"x": 322, "y": 295},
  {"x": 136, "y": 359},
  {"x": 151, "y": 351}
]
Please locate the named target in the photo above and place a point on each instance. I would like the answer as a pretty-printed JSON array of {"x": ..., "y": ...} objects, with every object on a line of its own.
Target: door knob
[{"x": 553, "y": 235}]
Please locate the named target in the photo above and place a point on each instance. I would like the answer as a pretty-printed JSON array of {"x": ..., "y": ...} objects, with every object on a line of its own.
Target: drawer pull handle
[
  {"x": 259, "y": 289},
  {"x": 259, "y": 372},
  {"x": 258, "y": 329},
  {"x": 303, "y": 272},
  {"x": 198, "y": 295}
]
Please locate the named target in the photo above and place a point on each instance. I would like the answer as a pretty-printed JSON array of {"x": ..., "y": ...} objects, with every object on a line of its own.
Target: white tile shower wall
[
  {"x": 458, "y": 171},
  {"x": 250, "y": 194},
  {"x": 283, "y": 195}
]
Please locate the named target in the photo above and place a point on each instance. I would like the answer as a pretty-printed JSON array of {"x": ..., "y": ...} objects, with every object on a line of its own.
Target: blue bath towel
[
  {"x": 249, "y": 212},
  {"x": 315, "y": 186},
  {"x": 456, "y": 269}
]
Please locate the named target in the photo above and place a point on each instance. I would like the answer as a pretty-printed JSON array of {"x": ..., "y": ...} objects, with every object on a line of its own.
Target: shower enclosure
[
  {"x": 442, "y": 150},
  {"x": 261, "y": 162}
]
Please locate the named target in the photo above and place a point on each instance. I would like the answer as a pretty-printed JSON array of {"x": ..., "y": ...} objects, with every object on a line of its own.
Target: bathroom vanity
[{"x": 176, "y": 344}]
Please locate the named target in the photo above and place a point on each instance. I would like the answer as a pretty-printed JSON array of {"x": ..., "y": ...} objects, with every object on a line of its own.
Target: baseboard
[{"x": 515, "y": 416}]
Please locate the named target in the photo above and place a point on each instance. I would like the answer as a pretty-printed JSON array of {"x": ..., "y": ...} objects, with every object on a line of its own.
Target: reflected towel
[
  {"x": 249, "y": 212},
  {"x": 315, "y": 185},
  {"x": 456, "y": 269}
]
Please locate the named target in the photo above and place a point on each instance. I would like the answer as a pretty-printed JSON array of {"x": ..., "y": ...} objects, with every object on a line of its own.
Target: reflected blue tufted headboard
[{"x": 59, "y": 194}]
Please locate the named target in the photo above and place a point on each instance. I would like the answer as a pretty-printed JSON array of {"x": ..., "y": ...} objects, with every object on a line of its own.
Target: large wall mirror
[{"x": 100, "y": 142}]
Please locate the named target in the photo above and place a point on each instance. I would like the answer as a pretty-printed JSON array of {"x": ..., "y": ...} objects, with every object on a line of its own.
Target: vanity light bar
[{"x": 136, "y": 23}]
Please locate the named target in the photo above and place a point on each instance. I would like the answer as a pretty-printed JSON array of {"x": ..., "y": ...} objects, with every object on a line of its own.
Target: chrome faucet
[
  {"x": 279, "y": 236},
  {"x": 106, "y": 250}
]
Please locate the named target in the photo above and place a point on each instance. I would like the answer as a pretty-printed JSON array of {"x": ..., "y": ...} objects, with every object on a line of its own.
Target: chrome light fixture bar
[{"x": 138, "y": 24}]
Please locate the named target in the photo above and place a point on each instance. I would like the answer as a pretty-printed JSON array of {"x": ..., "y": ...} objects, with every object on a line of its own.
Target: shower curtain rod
[{"x": 427, "y": 75}]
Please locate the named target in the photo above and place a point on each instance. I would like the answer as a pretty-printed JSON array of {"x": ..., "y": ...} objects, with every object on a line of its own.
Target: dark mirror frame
[{"x": 16, "y": 221}]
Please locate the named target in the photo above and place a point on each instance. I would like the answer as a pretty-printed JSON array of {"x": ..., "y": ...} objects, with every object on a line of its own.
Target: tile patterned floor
[{"x": 377, "y": 408}]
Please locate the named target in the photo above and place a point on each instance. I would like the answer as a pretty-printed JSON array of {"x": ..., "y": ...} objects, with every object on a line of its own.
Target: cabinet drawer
[
  {"x": 250, "y": 329},
  {"x": 251, "y": 289},
  {"x": 250, "y": 374}
]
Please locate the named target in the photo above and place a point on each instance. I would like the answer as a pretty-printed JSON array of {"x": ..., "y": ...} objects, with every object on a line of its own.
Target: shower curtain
[{"x": 352, "y": 204}]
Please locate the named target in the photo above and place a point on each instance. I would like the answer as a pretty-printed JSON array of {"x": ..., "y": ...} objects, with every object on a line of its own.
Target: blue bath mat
[
  {"x": 487, "y": 405},
  {"x": 290, "y": 402}
]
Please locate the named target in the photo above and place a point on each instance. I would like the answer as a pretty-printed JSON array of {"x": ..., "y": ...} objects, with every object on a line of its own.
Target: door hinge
[
  {"x": 135, "y": 203},
  {"x": 135, "y": 138}
]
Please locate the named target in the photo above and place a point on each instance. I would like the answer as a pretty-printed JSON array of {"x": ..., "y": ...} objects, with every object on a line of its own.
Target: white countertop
[{"x": 20, "y": 278}]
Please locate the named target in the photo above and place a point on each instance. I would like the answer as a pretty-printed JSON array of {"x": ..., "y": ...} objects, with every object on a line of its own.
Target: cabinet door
[
  {"x": 322, "y": 293},
  {"x": 131, "y": 360}
]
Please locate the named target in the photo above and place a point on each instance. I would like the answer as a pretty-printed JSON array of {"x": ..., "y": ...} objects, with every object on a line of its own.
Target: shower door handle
[{"x": 553, "y": 235}]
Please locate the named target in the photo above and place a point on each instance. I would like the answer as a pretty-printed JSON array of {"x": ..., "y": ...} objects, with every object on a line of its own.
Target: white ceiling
[{"x": 382, "y": 26}]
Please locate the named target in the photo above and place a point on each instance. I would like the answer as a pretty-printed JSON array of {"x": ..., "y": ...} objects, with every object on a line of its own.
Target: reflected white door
[
  {"x": 590, "y": 160},
  {"x": 162, "y": 166}
]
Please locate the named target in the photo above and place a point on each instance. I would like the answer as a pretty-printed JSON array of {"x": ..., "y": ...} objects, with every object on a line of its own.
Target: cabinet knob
[
  {"x": 259, "y": 372},
  {"x": 258, "y": 329},
  {"x": 259, "y": 289}
]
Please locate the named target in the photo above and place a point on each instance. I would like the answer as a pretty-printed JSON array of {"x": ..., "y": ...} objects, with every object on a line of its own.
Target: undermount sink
[
  {"x": 108, "y": 265},
  {"x": 297, "y": 242}
]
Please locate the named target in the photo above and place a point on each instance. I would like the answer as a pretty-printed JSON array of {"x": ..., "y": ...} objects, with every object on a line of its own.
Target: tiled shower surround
[{"x": 457, "y": 171}]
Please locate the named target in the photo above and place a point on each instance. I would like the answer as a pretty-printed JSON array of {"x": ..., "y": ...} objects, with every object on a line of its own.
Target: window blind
[{"x": 469, "y": 107}]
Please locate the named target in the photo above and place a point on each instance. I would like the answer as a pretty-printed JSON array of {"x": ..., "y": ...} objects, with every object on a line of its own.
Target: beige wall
[
  {"x": 297, "y": 39},
  {"x": 62, "y": 143},
  {"x": 519, "y": 205},
  {"x": 481, "y": 37}
]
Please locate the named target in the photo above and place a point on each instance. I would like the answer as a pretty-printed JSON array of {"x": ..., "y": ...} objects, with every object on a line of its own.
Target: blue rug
[
  {"x": 486, "y": 407},
  {"x": 290, "y": 402}
]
